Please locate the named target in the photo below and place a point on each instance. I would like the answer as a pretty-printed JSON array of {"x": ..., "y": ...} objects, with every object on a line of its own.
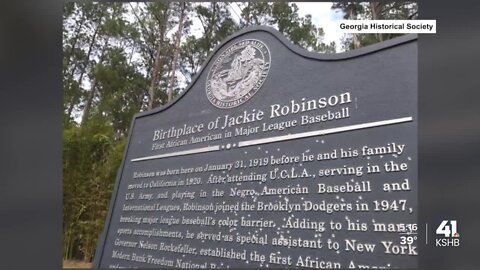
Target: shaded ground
[{"x": 76, "y": 264}]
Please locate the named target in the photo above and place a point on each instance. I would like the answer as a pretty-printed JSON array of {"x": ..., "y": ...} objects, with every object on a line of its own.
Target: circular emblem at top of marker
[{"x": 237, "y": 73}]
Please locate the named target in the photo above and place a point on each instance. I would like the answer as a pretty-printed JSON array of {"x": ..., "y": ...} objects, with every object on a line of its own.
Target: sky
[{"x": 323, "y": 16}]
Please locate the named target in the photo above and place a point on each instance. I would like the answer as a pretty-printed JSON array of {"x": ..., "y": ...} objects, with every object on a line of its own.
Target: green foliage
[{"x": 91, "y": 157}]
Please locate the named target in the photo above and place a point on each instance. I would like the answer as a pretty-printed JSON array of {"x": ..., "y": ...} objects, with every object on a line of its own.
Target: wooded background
[{"x": 123, "y": 58}]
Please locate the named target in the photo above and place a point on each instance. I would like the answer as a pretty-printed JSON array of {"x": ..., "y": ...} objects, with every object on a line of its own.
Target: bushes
[{"x": 91, "y": 157}]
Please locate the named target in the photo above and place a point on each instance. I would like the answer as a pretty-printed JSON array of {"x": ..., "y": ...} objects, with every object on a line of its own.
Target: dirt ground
[{"x": 76, "y": 264}]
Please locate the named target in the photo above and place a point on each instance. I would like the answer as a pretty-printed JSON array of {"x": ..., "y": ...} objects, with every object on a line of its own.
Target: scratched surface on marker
[{"x": 277, "y": 203}]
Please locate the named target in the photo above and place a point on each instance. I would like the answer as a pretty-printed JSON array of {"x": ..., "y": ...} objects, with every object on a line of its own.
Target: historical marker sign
[{"x": 274, "y": 157}]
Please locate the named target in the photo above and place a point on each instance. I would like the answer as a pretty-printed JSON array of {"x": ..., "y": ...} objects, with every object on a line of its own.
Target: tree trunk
[
  {"x": 355, "y": 40},
  {"x": 176, "y": 51},
  {"x": 248, "y": 20},
  {"x": 158, "y": 60},
  {"x": 93, "y": 88},
  {"x": 82, "y": 72},
  {"x": 376, "y": 9},
  {"x": 91, "y": 95},
  {"x": 69, "y": 59},
  {"x": 66, "y": 244},
  {"x": 75, "y": 39},
  {"x": 99, "y": 20}
]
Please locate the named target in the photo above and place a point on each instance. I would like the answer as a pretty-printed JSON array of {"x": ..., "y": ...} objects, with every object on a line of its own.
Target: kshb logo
[{"x": 451, "y": 237}]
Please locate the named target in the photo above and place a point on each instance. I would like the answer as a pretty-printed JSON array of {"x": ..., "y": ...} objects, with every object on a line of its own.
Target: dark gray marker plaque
[{"x": 273, "y": 157}]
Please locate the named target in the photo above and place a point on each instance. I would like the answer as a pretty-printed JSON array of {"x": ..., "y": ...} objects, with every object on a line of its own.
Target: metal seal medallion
[{"x": 238, "y": 73}]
